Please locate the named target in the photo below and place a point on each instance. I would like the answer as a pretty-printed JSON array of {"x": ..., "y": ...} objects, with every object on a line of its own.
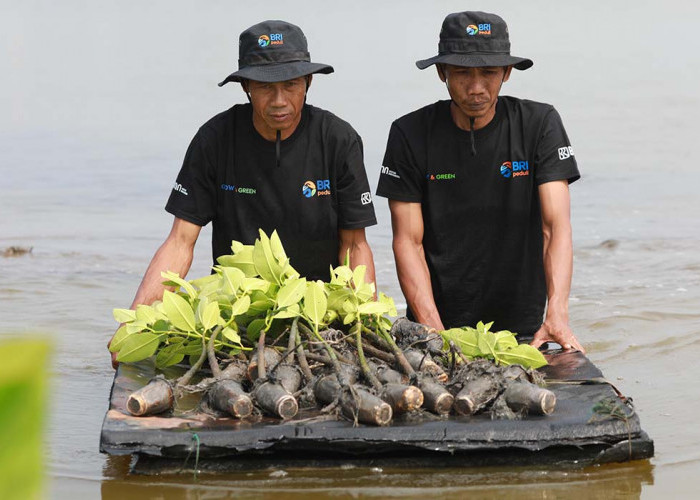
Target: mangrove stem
[
  {"x": 363, "y": 362},
  {"x": 213, "y": 363}
]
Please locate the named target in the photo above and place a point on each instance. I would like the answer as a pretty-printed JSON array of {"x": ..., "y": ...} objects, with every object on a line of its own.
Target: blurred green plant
[{"x": 23, "y": 375}]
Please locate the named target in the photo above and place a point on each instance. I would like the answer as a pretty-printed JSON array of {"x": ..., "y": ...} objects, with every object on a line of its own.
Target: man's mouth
[{"x": 279, "y": 117}]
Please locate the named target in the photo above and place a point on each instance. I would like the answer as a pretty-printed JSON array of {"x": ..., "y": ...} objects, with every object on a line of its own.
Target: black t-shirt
[
  {"x": 230, "y": 177},
  {"x": 481, "y": 214}
]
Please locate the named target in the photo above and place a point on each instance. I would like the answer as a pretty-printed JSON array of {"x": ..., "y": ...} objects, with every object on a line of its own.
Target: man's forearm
[
  {"x": 414, "y": 279},
  {"x": 558, "y": 269},
  {"x": 171, "y": 256}
]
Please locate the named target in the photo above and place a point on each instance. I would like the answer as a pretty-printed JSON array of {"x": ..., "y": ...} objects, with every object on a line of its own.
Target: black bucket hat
[
  {"x": 274, "y": 51},
  {"x": 474, "y": 39}
]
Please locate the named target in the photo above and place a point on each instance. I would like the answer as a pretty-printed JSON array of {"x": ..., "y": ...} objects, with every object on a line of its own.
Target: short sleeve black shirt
[
  {"x": 230, "y": 177},
  {"x": 481, "y": 213}
]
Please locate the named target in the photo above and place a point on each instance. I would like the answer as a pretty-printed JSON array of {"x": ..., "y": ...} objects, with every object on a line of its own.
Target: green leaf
[
  {"x": 385, "y": 299},
  {"x": 231, "y": 335},
  {"x": 205, "y": 281},
  {"x": 254, "y": 328},
  {"x": 169, "y": 356},
  {"x": 209, "y": 314},
  {"x": 161, "y": 326},
  {"x": 288, "y": 312},
  {"x": 241, "y": 306},
  {"x": 315, "y": 302},
  {"x": 341, "y": 275},
  {"x": 265, "y": 263},
  {"x": 192, "y": 348},
  {"x": 250, "y": 284},
  {"x": 291, "y": 292},
  {"x": 505, "y": 340},
  {"x": 487, "y": 344},
  {"x": 337, "y": 298},
  {"x": 365, "y": 292},
  {"x": 138, "y": 347},
  {"x": 232, "y": 279},
  {"x": 370, "y": 308},
  {"x": 277, "y": 248},
  {"x": 136, "y": 326},
  {"x": 243, "y": 260},
  {"x": 358, "y": 276},
  {"x": 173, "y": 279},
  {"x": 261, "y": 305},
  {"x": 330, "y": 316},
  {"x": 349, "y": 318},
  {"x": 118, "y": 339},
  {"x": 237, "y": 246},
  {"x": 147, "y": 314},
  {"x": 350, "y": 305},
  {"x": 124, "y": 315},
  {"x": 523, "y": 354},
  {"x": 465, "y": 338},
  {"x": 178, "y": 311}
]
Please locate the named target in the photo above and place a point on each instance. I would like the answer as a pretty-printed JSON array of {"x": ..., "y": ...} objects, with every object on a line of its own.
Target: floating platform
[{"x": 576, "y": 434}]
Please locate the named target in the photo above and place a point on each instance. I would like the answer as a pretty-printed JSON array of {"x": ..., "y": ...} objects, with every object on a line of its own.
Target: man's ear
[
  {"x": 441, "y": 72},
  {"x": 506, "y": 73}
]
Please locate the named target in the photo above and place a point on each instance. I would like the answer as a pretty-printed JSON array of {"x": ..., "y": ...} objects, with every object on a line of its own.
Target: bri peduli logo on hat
[
  {"x": 272, "y": 39},
  {"x": 480, "y": 29}
]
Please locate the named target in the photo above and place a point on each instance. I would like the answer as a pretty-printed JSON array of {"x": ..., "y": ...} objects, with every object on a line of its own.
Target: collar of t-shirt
[
  {"x": 259, "y": 142},
  {"x": 497, "y": 117}
]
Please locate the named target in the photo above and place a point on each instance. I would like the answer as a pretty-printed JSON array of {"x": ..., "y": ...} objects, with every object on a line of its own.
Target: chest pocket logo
[
  {"x": 322, "y": 187},
  {"x": 514, "y": 169}
]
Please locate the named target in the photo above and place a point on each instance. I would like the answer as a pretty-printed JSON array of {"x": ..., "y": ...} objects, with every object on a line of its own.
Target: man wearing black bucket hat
[
  {"x": 478, "y": 192},
  {"x": 274, "y": 163}
]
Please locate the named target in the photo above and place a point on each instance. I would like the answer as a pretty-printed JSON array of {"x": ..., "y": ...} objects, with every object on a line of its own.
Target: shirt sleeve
[
  {"x": 355, "y": 207},
  {"x": 401, "y": 178},
  {"x": 554, "y": 157},
  {"x": 193, "y": 197}
]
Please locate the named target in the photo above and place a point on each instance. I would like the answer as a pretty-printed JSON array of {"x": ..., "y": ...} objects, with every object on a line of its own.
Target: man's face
[
  {"x": 277, "y": 106},
  {"x": 474, "y": 90}
]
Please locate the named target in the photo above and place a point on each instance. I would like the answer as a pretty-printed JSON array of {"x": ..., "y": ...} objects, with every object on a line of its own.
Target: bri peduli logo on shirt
[
  {"x": 514, "y": 169},
  {"x": 271, "y": 39},
  {"x": 479, "y": 29},
  {"x": 242, "y": 190},
  {"x": 440, "y": 177},
  {"x": 322, "y": 187}
]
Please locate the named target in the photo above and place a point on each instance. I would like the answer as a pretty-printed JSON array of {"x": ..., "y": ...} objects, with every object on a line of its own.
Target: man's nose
[
  {"x": 278, "y": 98},
  {"x": 476, "y": 85}
]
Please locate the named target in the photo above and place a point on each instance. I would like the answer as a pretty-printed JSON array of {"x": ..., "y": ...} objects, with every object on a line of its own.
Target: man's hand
[
  {"x": 115, "y": 363},
  {"x": 559, "y": 332}
]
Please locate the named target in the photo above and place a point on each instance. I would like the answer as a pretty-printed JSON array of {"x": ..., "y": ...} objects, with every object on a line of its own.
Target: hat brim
[
  {"x": 281, "y": 72},
  {"x": 477, "y": 60}
]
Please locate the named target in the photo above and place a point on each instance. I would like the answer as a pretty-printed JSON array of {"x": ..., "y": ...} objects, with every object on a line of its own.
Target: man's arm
[
  {"x": 558, "y": 265},
  {"x": 360, "y": 252},
  {"x": 411, "y": 267},
  {"x": 175, "y": 254}
]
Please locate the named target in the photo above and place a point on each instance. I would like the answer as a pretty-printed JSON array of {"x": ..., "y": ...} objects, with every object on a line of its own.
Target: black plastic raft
[{"x": 577, "y": 433}]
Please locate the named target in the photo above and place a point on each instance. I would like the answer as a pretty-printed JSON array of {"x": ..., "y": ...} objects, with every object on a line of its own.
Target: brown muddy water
[{"x": 99, "y": 102}]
